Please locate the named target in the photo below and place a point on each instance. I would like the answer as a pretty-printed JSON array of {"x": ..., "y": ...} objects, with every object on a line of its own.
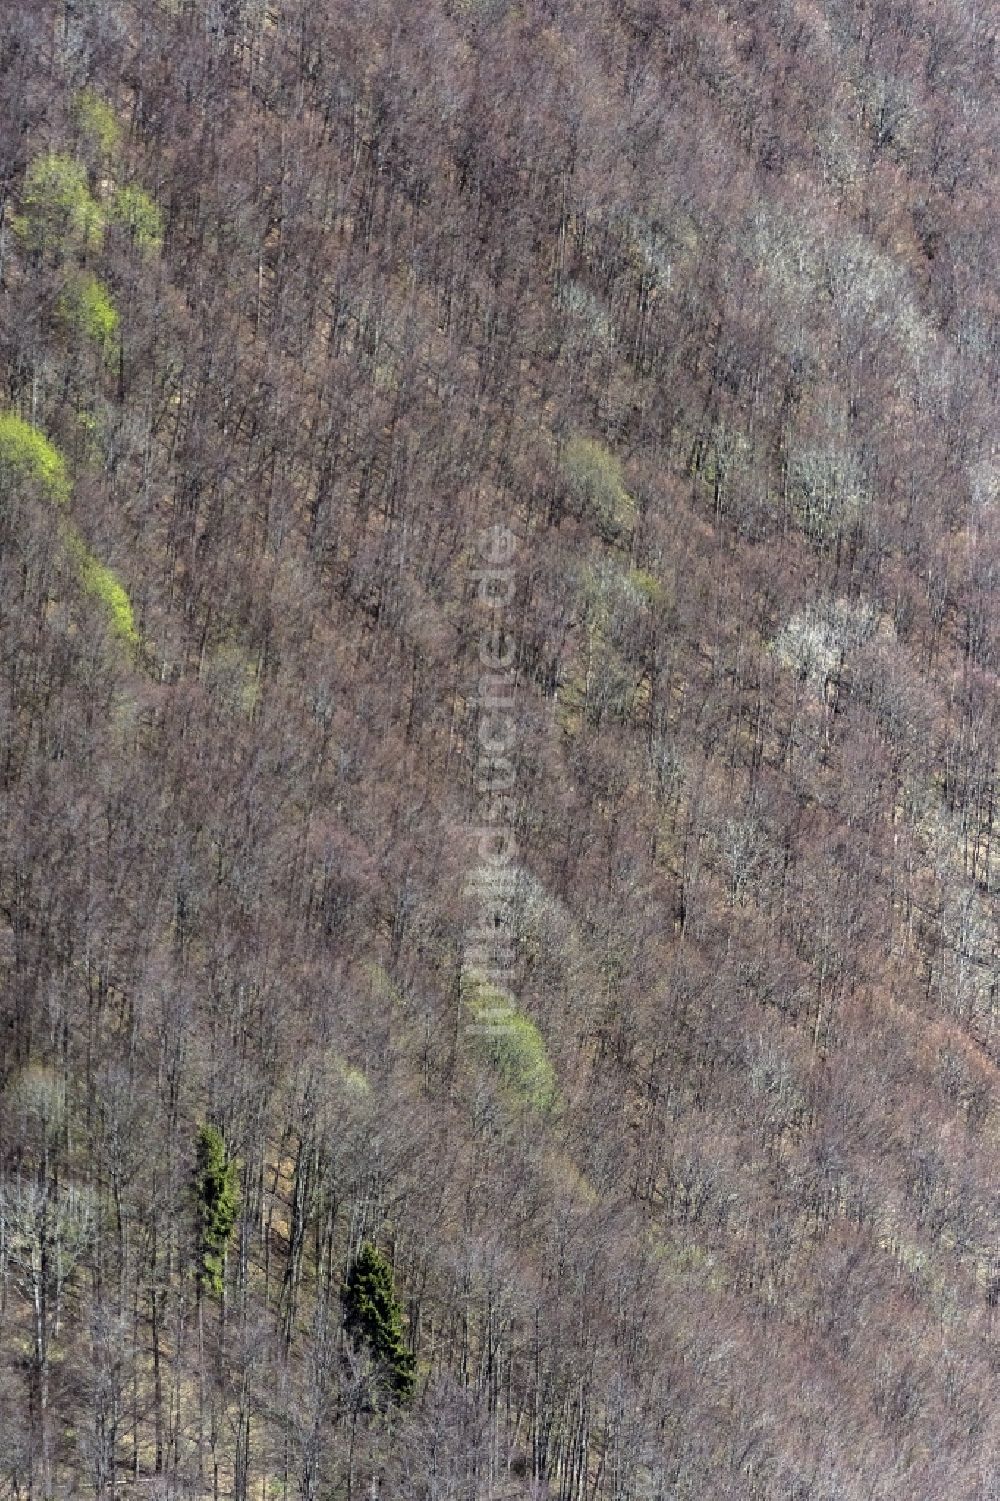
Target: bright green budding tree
[
  {"x": 216, "y": 1205},
  {"x": 60, "y": 215},
  {"x": 26, "y": 454},
  {"x": 374, "y": 1318}
]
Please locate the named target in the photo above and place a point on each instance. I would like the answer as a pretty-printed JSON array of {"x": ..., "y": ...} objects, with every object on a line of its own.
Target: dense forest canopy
[{"x": 499, "y": 636}]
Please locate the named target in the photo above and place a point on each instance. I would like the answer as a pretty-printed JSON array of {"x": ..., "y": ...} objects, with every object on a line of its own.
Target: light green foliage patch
[
  {"x": 29, "y": 454},
  {"x": 352, "y": 1081},
  {"x": 614, "y": 598},
  {"x": 86, "y": 306},
  {"x": 355, "y": 1083},
  {"x": 59, "y": 211},
  {"x": 39, "y": 1096},
  {"x": 512, "y": 1042},
  {"x": 603, "y": 680},
  {"x": 686, "y": 1263},
  {"x": 100, "y": 581},
  {"x": 96, "y": 120},
  {"x": 135, "y": 210},
  {"x": 595, "y": 478},
  {"x": 648, "y": 585}
]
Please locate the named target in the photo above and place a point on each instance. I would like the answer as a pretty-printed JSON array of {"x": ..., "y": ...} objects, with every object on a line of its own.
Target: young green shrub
[
  {"x": 97, "y": 122},
  {"x": 216, "y": 1199},
  {"x": 59, "y": 211},
  {"x": 135, "y": 211},
  {"x": 373, "y": 1317},
  {"x": 86, "y": 307},
  {"x": 25, "y": 453}
]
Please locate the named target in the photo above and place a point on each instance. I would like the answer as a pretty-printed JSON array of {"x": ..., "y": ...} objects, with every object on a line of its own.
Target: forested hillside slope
[{"x": 532, "y": 458}]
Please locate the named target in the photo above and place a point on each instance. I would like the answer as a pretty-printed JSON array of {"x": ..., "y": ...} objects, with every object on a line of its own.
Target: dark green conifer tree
[
  {"x": 373, "y": 1316},
  {"x": 216, "y": 1205}
]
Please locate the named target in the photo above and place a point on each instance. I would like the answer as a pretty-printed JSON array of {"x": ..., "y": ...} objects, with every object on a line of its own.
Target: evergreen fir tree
[
  {"x": 216, "y": 1205},
  {"x": 373, "y": 1316}
]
